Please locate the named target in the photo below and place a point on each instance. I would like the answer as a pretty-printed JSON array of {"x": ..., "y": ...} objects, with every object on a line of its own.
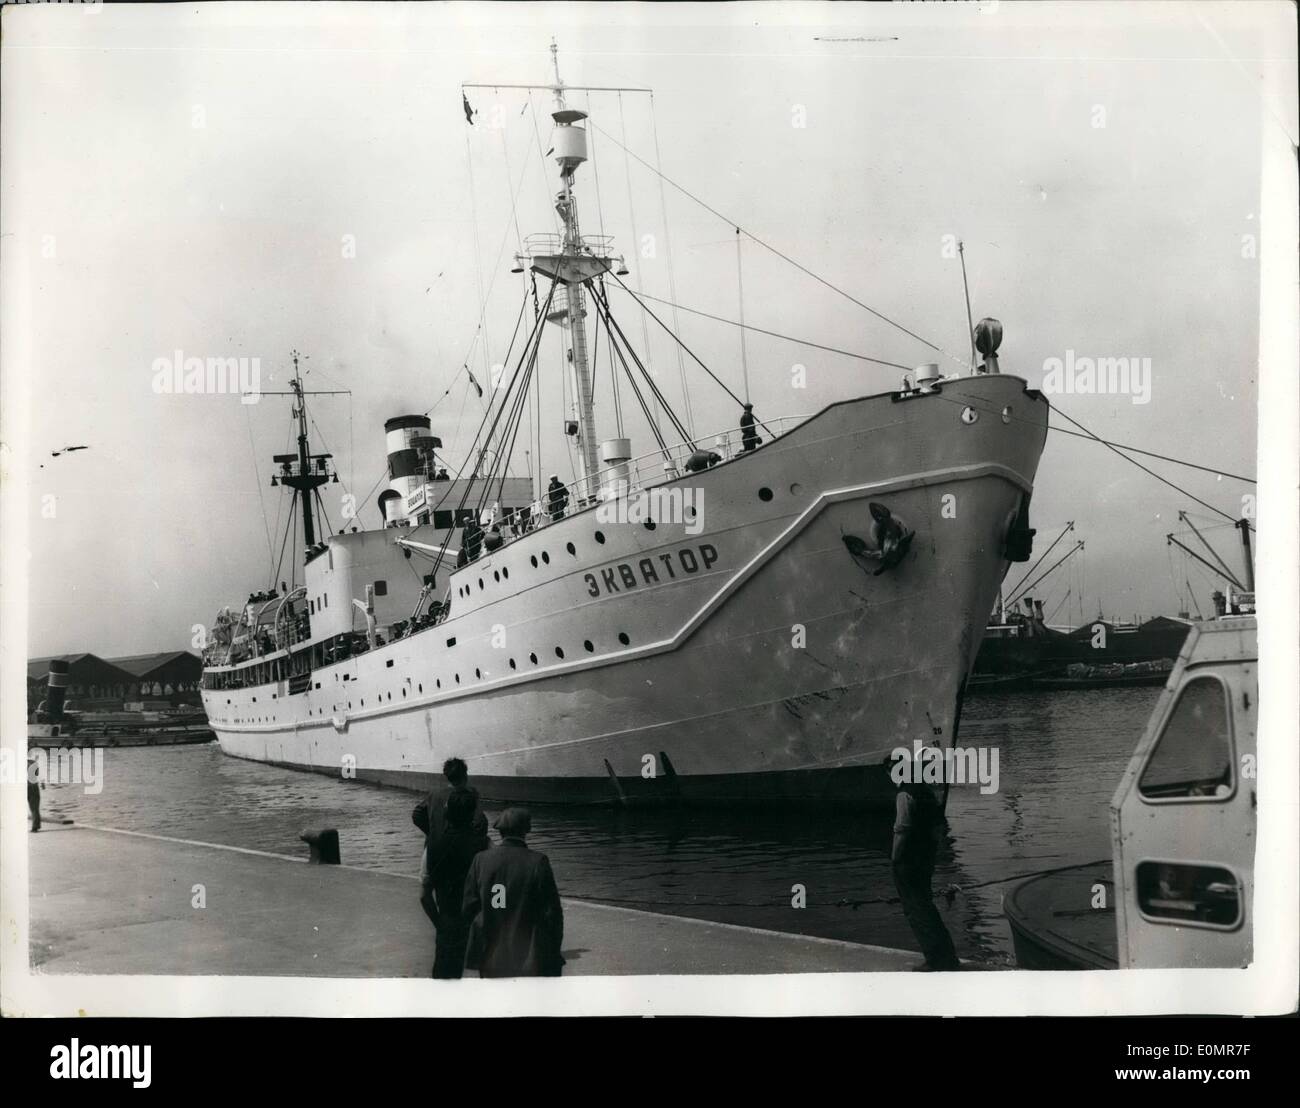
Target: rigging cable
[
  {"x": 785, "y": 257},
  {"x": 257, "y": 476},
  {"x": 672, "y": 282},
  {"x": 631, "y": 209},
  {"x": 612, "y": 325},
  {"x": 691, "y": 352},
  {"x": 774, "y": 334},
  {"x": 478, "y": 259},
  {"x": 740, "y": 299}
]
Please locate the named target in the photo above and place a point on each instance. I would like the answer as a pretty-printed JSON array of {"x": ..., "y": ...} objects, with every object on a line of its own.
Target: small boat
[{"x": 1178, "y": 891}]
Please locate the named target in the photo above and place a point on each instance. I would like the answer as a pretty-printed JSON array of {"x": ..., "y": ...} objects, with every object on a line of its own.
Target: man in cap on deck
[{"x": 510, "y": 893}]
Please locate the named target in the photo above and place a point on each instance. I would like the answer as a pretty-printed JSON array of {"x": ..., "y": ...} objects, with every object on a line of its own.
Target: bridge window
[
  {"x": 1192, "y": 758},
  {"x": 381, "y": 588}
]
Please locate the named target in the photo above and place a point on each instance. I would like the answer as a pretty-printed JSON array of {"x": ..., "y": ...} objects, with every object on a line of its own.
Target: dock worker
[
  {"x": 510, "y": 893},
  {"x": 430, "y": 816},
  {"x": 749, "y": 439},
  {"x": 34, "y": 787},
  {"x": 557, "y": 498},
  {"x": 448, "y": 866},
  {"x": 918, "y": 824}
]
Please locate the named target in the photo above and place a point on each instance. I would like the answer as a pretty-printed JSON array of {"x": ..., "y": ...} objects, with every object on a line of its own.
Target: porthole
[
  {"x": 419, "y": 688},
  {"x": 571, "y": 549},
  {"x": 496, "y": 576},
  {"x": 505, "y": 572},
  {"x": 1006, "y": 414},
  {"x": 587, "y": 643},
  {"x": 622, "y": 637},
  {"x": 478, "y": 673},
  {"x": 546, "y": 557},
  {"x": 559, "y": 652},
  {"x": 650, "y": 525},
  {"x": 439, "y": 682},
  {"x": 512, "y": 663},
  {"x": 796, "y": 489},
  {"x": 458, "y": 678},
  {"x": 480, "y": 582},
  {"x": 969, "y": 414},
  {"x": 600, "y": 537},
  {"x": 533, "y": 559},
  {"x": 765, "y": 493},
  {"x": 533, "y": 658}
]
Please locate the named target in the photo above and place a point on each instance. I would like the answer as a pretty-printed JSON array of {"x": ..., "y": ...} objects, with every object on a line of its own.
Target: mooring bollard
[{"x": 324, "y": 846}]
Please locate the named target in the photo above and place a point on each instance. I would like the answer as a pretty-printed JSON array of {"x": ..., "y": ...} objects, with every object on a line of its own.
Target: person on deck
[
  {"x": 510, "y": 892},
  {"x": 448, "y": 866},
  {"x": 473, "y": 538},
  {"x": 918, "y": 824},
  {"x": 557, "y": 498},
  {"x": 749, "y": 439}
]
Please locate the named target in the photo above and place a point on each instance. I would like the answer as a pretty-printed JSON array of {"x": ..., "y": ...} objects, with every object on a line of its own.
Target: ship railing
[
  {"x": 647, "y": 470},
  {"x": 546, "y": 244}
]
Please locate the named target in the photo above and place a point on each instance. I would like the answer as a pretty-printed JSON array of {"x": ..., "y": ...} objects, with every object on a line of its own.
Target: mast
[
  {"x": 573, "y": 261},
  {"x": 303, "y": 472}
]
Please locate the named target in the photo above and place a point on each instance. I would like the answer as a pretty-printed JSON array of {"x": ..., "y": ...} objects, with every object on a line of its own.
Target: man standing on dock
[
  {"x": 448, "y": 864},
  {"x": 34, "y": 787},
  {"x": 512, "y": 890},
  {"x": 918, "y": 824},
  {"x": 430, "y": 816}
]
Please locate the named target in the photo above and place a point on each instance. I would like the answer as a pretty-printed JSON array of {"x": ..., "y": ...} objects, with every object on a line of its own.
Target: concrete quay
[{"x": 106, "y": 901}]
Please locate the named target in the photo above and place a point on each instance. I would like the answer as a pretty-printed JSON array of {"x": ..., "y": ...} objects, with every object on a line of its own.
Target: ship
[{"x": 758, "y": 615}]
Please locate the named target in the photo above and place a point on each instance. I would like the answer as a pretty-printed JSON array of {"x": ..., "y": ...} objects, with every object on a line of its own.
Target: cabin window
[
  {"x": 443, "y": 520},
  {"x": 1192, "y": 758},
  {"x": 312, "y": 605},
  {"x": 381, "y": 588},
  {"x": 1184, "y": 894}
]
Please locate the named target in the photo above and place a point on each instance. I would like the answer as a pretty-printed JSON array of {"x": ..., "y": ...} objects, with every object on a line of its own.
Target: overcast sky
[{"x": 243, "y": 180}]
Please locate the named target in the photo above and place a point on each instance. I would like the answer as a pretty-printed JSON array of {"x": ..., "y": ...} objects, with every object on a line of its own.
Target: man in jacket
[
  {"x": 511, "y": 892},
  {"x": 430, "y": 816},
  {"x": 918, "y": 826},
  {"x": 448, "y": 865}
]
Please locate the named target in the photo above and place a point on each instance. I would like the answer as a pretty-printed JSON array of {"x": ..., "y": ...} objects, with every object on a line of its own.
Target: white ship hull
[{"x": 754, "y": 660}]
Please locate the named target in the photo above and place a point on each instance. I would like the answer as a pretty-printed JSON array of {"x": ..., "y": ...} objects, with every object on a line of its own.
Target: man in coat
[
  {"x": 448, "y": 864},
  {"x": 430, "y": 816},
  {"x": 511, "y": 893},
  {"x": 918, "y": 825}
]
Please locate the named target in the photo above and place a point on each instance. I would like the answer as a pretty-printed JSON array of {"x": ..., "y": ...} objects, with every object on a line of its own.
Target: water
[{"x": 1060, "y": 759}]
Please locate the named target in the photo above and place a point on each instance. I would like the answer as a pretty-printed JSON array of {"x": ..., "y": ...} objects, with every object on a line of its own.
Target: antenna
[{"x": 970, "y": 323}]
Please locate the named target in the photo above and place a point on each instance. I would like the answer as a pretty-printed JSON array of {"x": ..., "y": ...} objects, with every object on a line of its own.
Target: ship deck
[{"x": 105, "y": 901}]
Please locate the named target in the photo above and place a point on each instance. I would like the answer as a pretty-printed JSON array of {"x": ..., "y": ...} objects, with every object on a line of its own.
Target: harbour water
[{"x": 1060, "y": 756}]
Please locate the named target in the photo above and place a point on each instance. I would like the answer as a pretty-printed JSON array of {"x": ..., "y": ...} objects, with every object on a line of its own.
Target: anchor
[{"x": 891, "y": 540}]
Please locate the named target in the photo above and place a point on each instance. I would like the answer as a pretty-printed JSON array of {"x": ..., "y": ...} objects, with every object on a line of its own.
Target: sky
[{"x": 244, "y": 180}]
